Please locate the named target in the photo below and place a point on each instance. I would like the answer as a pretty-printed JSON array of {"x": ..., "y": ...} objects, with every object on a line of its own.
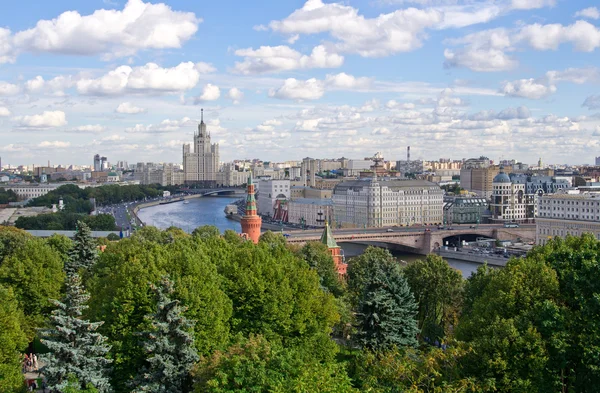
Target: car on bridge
[{"x": 390, "y": 230}]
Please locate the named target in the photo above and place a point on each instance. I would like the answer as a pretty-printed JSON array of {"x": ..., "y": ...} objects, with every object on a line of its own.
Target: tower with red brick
[
  {"x": 251, "y": 222},
  {"x": 335, "y": 250}
]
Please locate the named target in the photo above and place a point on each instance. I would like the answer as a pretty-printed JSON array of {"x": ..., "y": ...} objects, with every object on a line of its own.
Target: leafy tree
[
  {"x": 84, "y": 254},
  {"x": 257, "y": 365},
  {"x": 206, "y": 231},
  {"x": 169, "y": 346},
  {"x": 7, "y": 196},
  {"x": 76, "y": 349},
  {"x": 34, "y": 271},
  {"x": 386, "y": 309},
  {"x": 317, "y": 255},
  {"x": 432, "y": 370},
  {"x": 61, "y": 244},
  {"x": 113, "y": 237},
  {"x": 12, "y": 340},
  {"x": 438, "y": 291}
]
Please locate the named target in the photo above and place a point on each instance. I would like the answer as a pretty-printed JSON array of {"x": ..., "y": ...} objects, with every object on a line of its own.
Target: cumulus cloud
[
  {"x": 209, "y": 93},
  {"x": 592, "y": 102},
  {"x": 294, "y": 89},
  {"x": 150, "y": 78},
  {"x": 528, "y": 88},
  {"x": 110, "y": 33},
  {"x": 345, "y": 81},
  {"x": 129, "y": 108},
  {"x": 166, "y": 125},
  {"x": 8, "y": 89},
  {"x": 583, "y": 35},
  {"x": 531, "y": 4},
  {"x": 89, "y": 128},
  {"x": 235, "y": 95},
  {"x": 47, "y": 119},
  {"x": 590, "y": 13},
  {"x": 393, "y": 104},
  {"x": 398, "y": 31},
  {"x": 268, "y": 125},
  {"x": 54, "y": 144},
  {"x": 4, "y": 112},
  {"x": 35, "y": 84},
  {"x": 484, "y": 51},
  {"x": 283, "y": 58}
]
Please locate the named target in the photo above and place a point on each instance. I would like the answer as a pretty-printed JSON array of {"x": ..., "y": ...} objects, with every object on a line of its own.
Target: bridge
[
  {"x": 422, "y": 242},
  {"x": 216, "y": 191}
]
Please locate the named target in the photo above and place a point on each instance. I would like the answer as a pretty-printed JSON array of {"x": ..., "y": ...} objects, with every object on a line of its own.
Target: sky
[{"x": 282, "y": 80}]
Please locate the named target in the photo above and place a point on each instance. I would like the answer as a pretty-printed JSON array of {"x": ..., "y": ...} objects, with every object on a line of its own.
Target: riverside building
[
  {"x": 385, "y": 203},
  {"x": 566, "y": 214}
]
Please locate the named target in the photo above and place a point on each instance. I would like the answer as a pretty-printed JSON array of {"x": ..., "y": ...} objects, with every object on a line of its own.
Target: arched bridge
[{"x": 423, "y": 242}]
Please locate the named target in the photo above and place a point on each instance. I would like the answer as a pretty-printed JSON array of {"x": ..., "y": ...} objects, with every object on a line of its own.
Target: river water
[{"x": 209, "y": 211}]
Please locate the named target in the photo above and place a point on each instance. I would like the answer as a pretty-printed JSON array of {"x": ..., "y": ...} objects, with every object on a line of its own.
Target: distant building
[
  {"x": 163, "y": 174},
  {"x": 464, "y": 210},
  {"x": 310, "y": 211},
  {"x": 269, "y": 192},
  {"x": 478, "y": 178},
  {"x": 597, "y": 161},
  {"x": 354, "y": 167},
  {"x": 380, "y": 203},
  {"x": 414, "y": 166},
  {"x": 230, "y": 176},
  {"x": 97, "y": 163},
  {"x": 566, "y": 214},
  {"x": 202, "y": 164},
  {"x": 510, "y": 202}
]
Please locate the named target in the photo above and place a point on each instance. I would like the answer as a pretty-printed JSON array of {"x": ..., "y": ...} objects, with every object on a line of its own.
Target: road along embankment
[{"x": 491, "y": 260}]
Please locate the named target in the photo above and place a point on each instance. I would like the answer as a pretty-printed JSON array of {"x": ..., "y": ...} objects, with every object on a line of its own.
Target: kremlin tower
[
  {"x": 335, "y": 250},
  {"x": 251, "y": 222}
]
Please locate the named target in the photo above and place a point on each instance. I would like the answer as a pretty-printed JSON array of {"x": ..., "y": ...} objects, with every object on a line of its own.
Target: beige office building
[{"x": 201, "y": 164}]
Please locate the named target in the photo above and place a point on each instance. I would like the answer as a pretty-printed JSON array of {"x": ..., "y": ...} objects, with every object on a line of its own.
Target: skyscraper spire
[{"x": 201, "y": 115}]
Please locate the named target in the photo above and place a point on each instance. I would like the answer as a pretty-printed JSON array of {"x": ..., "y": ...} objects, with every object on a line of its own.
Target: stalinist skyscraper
[{"x": 201, "y": 165}]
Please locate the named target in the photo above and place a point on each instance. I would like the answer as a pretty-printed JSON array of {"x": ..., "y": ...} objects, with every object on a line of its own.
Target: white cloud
[
  {"x": 54, "y": 144},
  {"x": 235, "y": 95},
  {"x": 268, "y": 125},
  {"x": 111, "y": 33},
  {"x": 592, "y": 102},
  {"x": 113, "y": 138},
  {"x": 166, "y": 125},
  {"x": 129, "y": 108},
  {"x": 209, "y": 93},
  {"x": 294, "y": 89},
  {"x": 531, "y": 4},
  {"x": 47, "y": 119},
  {"x": 484, "y": 51},
  {"x": 205, "y": 68},
  {"x": 35, "y": 84},
  {"x": 8, "y": 89},
  {"x": 344, "y": 81},
  {"x": 575, "y": 75},
  {"x": 283, "y": 58},
  {"x": 393, "y": 104},
  {"x": 4, "y": 112},
  {"x": 91, "y": 128},
  {"x": 590, "y": 13},
  {"x": 150, "y": 78},
  {"x": 583, "y": 35},
  {"x": 398, "y": 31},
  {"x": 7, "y": 54},
  {"x": 528, "y": 88}
]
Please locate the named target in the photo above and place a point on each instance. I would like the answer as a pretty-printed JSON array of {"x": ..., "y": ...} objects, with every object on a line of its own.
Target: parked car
[
  {"x": 449, "y": 228},
  {"x": 390, "y": 230},
  {"x": 473, "y": 226}
]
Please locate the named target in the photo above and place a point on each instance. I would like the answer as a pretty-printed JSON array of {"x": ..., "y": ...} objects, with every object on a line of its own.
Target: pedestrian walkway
[{"x": 33, "y": 375}]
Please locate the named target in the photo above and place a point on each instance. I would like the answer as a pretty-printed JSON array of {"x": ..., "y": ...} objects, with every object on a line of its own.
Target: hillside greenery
[{"x": 275, "y": 318}]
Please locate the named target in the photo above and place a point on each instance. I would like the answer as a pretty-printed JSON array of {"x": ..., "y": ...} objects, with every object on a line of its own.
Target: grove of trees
[{"x": 166, "y": 311}]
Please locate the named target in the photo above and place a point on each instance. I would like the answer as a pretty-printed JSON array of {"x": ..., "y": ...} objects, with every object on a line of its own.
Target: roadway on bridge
[{"x": 356, "y": 231}]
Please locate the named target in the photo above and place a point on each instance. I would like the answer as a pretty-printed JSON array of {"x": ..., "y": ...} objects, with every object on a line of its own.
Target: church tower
[
  {"x": 251, "y": 222},
  {"x": 335, "y": 250}
]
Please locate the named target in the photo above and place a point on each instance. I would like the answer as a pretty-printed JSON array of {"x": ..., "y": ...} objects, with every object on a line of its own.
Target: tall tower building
[
  {"x": 251, "y": 222},
  {"x": 202, "y": 164}
]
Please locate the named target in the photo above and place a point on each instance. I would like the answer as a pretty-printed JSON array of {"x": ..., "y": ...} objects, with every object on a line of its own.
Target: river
[
  {"x": 209, "y": 211},
  {"x": 198, "y": 212}
]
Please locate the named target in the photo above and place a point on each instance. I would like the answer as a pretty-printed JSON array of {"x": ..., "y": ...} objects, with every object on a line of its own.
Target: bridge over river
[{"x": 420, "y": 241}]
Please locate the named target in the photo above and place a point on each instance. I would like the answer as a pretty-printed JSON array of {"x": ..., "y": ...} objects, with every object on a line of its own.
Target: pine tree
[
  {"x": 170, "y": 346},
  {"x": 386, "y": 310},
  {"x": 76, "y": 350},
  {"x": 84, "y": 253}
]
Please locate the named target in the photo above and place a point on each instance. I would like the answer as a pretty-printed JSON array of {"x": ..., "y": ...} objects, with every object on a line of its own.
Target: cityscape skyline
[{"x": 510, "y": 79}]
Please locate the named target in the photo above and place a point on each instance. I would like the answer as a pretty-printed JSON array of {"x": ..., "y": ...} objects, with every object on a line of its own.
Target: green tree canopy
[
  {"x": 12, "y": 341},
  {"x": 438, "y": 291},
  {"x": 318, "y": 257}
]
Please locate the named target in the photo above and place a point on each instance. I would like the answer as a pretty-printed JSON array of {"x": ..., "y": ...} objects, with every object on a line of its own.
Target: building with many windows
[
  {"x": 566, "y": 214},
  {"x": 269, "y": 193},
  {"x": 380, "y": 203},
  {"x": 510, "y": 202},
  {"x": 201, "y": 164},
  {"x": 465, "y": 210},
  {"x": 310, "y": 211}
]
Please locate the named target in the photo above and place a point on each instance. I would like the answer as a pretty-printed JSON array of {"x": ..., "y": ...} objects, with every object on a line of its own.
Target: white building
[
  {"x": 202, "y": 164},
  {"x": 310, "y": 211},
  {"x": 229, "y": 176},
  {"x": 269, "y": 192},
  {"x": 381, "y": 203},
  {"x": 510, "y": 202},
  {"x": 27, "y": 191},
  {"x": 354, "y": 167},
  {"x": 567, "y": 214}
]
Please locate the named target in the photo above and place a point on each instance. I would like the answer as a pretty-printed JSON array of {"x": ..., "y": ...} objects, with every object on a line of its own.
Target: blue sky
[{"x": 282, "y": 80}]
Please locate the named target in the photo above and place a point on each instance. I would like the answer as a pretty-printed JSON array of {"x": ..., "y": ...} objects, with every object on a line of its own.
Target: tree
[
  {"x": 12, "y": 340},
  {"x": 169, "y": 346},
  {"x": 386, "y": 309},
  {"x": 84, "y": 253},
  {"x": 206, "y": 231},
  {"x": 61, "y": 244},
  {"x": 76, "y": 349},
  {"x": 257, "y": 365},
  {"x": 318, "y": 257},
  {"x": 438, "y": 291}
]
